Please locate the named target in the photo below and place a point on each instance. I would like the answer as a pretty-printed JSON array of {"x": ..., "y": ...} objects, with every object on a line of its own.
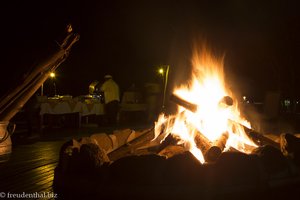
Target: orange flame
[{"x": 212, "y": 118}]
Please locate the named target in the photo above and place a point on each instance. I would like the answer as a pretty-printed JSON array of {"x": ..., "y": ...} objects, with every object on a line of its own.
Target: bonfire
[
  {"x": 214, "y": 115},
  {"x": 207, "y": 149}
]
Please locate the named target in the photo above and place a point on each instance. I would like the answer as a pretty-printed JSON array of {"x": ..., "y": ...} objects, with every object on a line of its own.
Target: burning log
[
  {"x": 226, "y": 100},
  {"x": 211, "y": 150},
  {"x": 171, "y": 151},
  {"x": 170, "y": 141},
  {"x": 221, "y": 142},
  {"x": 258, "y": 138},
  {"x": 217, "y": 148},
  {"x": 189, "y": 106},
  {"x": 202, "y": 142},
  {"x": 146, "y": 143}
]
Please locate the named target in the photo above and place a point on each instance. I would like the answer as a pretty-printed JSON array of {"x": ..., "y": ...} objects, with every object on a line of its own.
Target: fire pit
[{"x": 207, "y": 150}]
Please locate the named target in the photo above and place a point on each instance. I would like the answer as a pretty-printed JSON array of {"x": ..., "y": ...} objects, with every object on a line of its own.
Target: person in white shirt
[{"x": 111, "y": 93}]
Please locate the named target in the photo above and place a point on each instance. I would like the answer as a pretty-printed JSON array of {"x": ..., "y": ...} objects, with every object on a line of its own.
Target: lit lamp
[
  {"x": 164, "y": 72},
  {"x": 52, "y": 76},
  {"x": 161, "y": 71}
]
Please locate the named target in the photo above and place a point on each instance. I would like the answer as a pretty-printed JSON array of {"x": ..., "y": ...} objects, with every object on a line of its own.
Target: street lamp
[
  {"x": 161, "y": 71},
  {"x": 164, "y": 71},
  {"x": 52, "y": 75}
]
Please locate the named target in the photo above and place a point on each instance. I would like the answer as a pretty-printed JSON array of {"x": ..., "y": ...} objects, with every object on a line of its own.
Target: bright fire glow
[{"x": 212, "y": 118}]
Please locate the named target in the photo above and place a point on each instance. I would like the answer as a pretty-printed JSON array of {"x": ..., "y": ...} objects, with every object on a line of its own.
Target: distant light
[
  {"x": 69, "y": 28},
  {"x": 52, "y": 74},
  {"x": 287, "y": 102},
  {"x": 244, "y": 98},
  {"x": 161, "y": 71}
]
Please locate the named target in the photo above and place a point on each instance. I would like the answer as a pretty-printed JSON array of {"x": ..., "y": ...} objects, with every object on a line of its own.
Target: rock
[
  {"x": 92, "y": 156},
  {"x": 290, "y": 146},
  {"x": 272, "y": 159},
  {"x": 236, "y": 168},
  {"x": 137, "y": 170}
]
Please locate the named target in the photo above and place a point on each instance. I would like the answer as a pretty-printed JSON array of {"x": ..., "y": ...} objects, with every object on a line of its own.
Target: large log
[
  {"x": 189, "y": 106},
  {"x": 258, "y": 138},
  {"x": 217, "y": 148},
  {"x": 210, "y": 150},
  {"x": 202, "y": 142}
]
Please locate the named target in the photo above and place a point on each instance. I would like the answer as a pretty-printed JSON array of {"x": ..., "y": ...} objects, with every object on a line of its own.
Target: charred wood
[
  {"x": 259, "y": 138},
  {"x": 189, "y": 106},
  {"x": 202, "y": 142},
  {"x": 217, "y": 148},
  {"x": 170, "y": 140},
  {"x": 211, "y": 150},
  {"x": 226, "y": 100},
  {"x": 172, "y": 150}
]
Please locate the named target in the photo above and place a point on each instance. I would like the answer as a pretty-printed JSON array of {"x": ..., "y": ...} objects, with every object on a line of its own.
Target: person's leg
[
  {"x": 110, "y": 113},
  {"x": 107, "y": 111},
  {"x": 114, "y": 112}
]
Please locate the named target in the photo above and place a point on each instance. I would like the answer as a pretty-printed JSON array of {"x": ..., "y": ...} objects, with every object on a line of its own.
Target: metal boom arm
[{"x": 11, "y": 104}]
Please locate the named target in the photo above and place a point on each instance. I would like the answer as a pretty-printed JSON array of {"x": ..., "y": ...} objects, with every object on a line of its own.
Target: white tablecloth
[
  {"x": 130, "y": 107},
  {"x": 66, "y": 107}
]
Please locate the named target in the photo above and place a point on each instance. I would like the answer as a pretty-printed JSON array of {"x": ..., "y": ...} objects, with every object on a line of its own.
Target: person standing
[{"x": 111, "y": 93}]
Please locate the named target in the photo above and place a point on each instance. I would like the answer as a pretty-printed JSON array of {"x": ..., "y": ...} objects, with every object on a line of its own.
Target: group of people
[{"x": 111, "y": 92}]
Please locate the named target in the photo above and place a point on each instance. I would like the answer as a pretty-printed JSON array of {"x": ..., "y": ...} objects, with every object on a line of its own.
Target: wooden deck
[{"x": 30, "y": 168}]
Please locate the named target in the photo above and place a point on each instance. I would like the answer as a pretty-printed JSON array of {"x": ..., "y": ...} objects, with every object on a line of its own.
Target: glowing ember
[{"x": 212, "y": 117}]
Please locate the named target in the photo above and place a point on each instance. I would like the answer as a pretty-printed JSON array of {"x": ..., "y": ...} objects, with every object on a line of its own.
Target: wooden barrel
[{"x": 6, "y": 129}]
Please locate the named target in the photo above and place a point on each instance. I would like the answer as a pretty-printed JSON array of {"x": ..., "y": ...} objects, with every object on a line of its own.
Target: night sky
[{"x": 128, "y": 39}]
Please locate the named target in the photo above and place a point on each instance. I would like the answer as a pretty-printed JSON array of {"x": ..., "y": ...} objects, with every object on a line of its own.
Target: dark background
[{"x": 129, "y": 39}]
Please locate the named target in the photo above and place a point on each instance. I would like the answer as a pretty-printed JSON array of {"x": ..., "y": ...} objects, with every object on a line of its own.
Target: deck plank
[
  {"x": 27, "y": 177},
  {"x": 31, "y": 168}
]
